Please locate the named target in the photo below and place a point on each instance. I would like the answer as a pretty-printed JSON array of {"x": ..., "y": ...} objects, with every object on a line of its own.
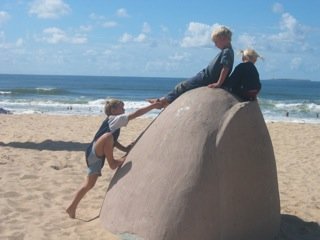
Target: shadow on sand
[
  {"x": 294, "y": 228},
  {"x": 48, "y": 145}
]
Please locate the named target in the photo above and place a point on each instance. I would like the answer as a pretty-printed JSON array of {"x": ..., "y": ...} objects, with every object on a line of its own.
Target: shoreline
[
  {"x": 283, "y": 119},
  {"x": 42, "y": 163}
]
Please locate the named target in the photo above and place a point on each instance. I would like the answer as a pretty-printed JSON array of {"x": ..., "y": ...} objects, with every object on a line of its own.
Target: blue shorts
[{"x": 95, "y": 163}]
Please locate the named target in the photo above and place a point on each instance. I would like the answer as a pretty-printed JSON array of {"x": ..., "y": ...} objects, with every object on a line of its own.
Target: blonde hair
[
  {"x": 250, "y": 55},
  {"x": 221, "y": 31},
  {"x": 111, "y": 104}
]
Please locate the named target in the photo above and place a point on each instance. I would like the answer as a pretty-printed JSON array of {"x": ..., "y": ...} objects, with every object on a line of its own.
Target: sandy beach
[{"x": 42, "y": 165}]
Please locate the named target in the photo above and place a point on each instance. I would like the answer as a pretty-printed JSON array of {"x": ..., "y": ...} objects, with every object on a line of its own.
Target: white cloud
[
  {"x": 2, "y": 36},
  {"x": 296, "y": 63},
  {"x": 4, "y": 16},
  {"x": 277, "y": 8},
  {"x": 110, "y": 24},
  {"x": 122, "y": 12},
  {"x": 85, "y": 28},
  {"x": 164, "y": 28},
  {"x": 126, "y": 37},
  {"x": 3, "y": 43},
  {"x": 140, "y": 38},
  {"x": 291, "y": 37},
  {"x": 246, "y": 41},
  {"x": 178, "y": 57},
  {"x": 160, "y": 66},
  {"x": 56, "y": 35},
  {"x": 90, "y": 52},
  {"x": 291, "y": 31},
  {"x": 198, "y": 35},
  {"x": 146, "y": 28},
  {"x": 156, "y": 65},
  {"x": 19, "y": 42},
  {"x": 49, "y": 8},
  {"x": 96, "y": 17},
  {"x": 8, "y": 45},
  {"x": 78, "y": 39},
  {"x": 107, "y": 52}
]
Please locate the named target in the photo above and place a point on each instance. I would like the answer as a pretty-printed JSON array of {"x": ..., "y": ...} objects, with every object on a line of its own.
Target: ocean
[{"x": 280, "y": 99}]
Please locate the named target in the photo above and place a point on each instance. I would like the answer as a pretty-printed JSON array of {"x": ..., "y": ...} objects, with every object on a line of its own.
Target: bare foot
[{"x": 71, "y": 213}]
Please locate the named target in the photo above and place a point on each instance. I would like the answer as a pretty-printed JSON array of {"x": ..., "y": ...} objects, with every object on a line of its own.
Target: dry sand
[{"x": 42, "y": 165}]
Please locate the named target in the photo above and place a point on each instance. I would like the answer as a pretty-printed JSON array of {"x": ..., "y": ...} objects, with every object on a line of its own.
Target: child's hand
[
  {"x": 158, "y": 105},
  {"x": 213, "y": 85}
]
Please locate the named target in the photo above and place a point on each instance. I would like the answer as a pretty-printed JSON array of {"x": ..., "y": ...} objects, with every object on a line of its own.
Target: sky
[{"x": 156, "y": 38}]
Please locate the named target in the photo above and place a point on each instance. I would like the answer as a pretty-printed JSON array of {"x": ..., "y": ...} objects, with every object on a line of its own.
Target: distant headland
[{"x": 287, "y": 79}]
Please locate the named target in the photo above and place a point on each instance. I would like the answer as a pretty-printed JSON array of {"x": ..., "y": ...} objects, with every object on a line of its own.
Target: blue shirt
[{"x": 212, "y": 72}]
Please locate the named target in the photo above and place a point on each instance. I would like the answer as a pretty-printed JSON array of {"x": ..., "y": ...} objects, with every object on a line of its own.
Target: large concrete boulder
[{"x": 204, "y": 169}]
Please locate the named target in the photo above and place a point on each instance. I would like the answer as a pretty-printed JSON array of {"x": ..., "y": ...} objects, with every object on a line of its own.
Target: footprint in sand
[
  {"x": 60, "y": 167},
  {"x": 11, "y": 195},
  {"x": 29, "y": 177}
]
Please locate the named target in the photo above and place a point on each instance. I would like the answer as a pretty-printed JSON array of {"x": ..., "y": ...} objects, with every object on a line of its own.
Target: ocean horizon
[{"x": 287, "y": 100}]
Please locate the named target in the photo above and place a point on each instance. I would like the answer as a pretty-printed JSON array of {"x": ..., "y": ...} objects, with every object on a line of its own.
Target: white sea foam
[
  {"x": 45, "y": 89},
  {"x": 96, "y": 107},
  {"x": 5, "y": 92},
  {"x": 74, "y": 95}
]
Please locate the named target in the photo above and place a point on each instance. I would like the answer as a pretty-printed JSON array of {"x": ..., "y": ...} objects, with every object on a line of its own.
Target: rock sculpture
[{"x": 204, "y": 169}]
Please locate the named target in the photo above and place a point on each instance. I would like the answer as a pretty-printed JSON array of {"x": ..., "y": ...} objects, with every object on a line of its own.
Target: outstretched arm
[{"x": 144, "y": 110}]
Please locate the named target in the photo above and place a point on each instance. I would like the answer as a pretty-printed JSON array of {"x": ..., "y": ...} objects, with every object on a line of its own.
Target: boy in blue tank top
[{"x": 103, "y": 144}]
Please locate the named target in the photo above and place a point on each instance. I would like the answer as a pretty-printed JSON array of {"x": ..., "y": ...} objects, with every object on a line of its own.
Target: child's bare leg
[
  {"x": 104, "y": 147},
  {"x": 108, "y": 153},
  {"x": 87, "y": 185}
]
